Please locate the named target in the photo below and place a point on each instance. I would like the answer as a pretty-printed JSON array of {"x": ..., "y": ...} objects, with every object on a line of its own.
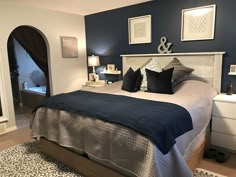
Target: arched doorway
[{"x": 28, "y": 63}]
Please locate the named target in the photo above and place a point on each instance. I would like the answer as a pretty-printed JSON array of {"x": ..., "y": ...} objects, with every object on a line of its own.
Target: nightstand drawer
[
  {"x": 223, "y": 140},
  {"x": 224, "y": 125},
  {"x": 224, "y": 109}
]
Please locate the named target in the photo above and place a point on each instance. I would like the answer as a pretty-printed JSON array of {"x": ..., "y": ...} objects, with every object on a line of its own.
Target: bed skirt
[{"x": 89, "y": 168}]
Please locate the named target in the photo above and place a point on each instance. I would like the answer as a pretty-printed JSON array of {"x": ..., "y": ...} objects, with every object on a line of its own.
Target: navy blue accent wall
[{"x": 107, "y": 32}]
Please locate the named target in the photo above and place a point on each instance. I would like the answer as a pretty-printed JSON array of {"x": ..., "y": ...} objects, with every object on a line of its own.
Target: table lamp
[{"x": 93, "y": 61}]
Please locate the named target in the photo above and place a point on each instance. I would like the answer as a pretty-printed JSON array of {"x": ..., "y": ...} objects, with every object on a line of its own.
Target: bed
[{"x": 114, "y": 150}]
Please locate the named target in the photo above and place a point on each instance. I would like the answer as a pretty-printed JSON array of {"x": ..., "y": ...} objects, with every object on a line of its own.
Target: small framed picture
[
  {"x": 93, "y": 77},
  {"x": 110, "y": 67},
  {"x": 232, "y": 68}
]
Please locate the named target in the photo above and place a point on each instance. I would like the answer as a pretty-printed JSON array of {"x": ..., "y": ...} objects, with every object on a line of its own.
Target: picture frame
[
  {"x": 198, "y": 23},
  {"x": 139, "y": 29},
  {"x": 110, "y": 68},
  {"x": 232, "y": 70},
  {"x": 93, "y": 77},
  {"x": 69, "y": 47}
]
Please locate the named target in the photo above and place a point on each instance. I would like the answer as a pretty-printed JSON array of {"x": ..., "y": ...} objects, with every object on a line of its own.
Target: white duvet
[{"x": 121, "y": 148}]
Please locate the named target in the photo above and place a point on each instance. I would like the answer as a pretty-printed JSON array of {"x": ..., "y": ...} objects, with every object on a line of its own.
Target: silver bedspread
[{"x": 121, "y": 148}]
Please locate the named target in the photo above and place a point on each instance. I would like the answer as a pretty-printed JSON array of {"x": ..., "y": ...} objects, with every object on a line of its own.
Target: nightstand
[
  {"x": 99, "y": 83},
  {"x": 224, "y": 122}
]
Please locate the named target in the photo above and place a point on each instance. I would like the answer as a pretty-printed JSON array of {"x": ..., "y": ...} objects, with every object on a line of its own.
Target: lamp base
[
  {"x": 229, "y": 89},
  {"x": 94, "y": 69}
]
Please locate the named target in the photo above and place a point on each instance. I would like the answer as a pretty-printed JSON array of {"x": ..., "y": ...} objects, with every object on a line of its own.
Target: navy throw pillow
[
  {"x": 132, "y": 80},
  {"x": 160, "y": 82}
]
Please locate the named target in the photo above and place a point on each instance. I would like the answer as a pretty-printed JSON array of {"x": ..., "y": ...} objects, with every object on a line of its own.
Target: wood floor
[
  {"x": 23, "y": 135},
  {"x": 23, "y": 115},
  {"x": 15, "y": 137},
  {"x": 227, "y": 168}
]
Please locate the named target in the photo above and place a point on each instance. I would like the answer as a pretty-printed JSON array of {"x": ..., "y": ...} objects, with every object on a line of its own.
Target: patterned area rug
[
  {"x": 205, "y": 173},
  {"x": 26, "y": 161}
]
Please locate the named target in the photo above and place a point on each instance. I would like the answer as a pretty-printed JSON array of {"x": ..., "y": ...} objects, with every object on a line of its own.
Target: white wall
[{"x": 66, "y": 74}]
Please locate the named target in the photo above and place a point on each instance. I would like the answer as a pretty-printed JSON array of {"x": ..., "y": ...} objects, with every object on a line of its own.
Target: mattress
[{"x": 121, "y": 148}]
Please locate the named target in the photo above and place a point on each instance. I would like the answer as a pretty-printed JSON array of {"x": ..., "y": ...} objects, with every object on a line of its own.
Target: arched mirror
[
  {"x": 2, "y": 96},
  {"x": 28, "y": 65},
  {"x": 1, "y": 110}
]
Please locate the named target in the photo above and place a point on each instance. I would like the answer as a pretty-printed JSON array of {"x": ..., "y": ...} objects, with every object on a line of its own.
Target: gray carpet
[{"x": 26, "y": 161}]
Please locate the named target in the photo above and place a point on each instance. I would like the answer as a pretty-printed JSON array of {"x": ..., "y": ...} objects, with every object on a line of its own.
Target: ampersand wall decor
[{"x": 164, "y": 47}]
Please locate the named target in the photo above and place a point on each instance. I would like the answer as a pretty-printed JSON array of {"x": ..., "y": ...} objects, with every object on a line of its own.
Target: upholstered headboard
[{"x": 207, "y": 65}]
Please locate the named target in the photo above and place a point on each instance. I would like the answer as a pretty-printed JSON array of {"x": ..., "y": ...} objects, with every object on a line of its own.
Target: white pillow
[{"x": 154, "y": 65}]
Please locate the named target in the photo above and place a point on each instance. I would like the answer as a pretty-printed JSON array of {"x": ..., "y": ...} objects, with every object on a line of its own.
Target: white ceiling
[{"x": 82, "y": 7}]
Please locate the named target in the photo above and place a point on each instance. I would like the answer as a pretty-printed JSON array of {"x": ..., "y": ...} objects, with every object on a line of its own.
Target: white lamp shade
[{"x": 93, "y": 61}]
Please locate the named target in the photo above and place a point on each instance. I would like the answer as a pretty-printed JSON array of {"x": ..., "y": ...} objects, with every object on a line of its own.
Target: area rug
[
  {"x": 199, "y": 172},
  {"x": 26, "y": 161}
]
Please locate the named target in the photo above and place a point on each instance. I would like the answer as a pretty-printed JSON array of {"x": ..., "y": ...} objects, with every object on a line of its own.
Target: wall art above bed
[
  {"x": 198, "y": 23},
  {"x": 140, "y": 29}
]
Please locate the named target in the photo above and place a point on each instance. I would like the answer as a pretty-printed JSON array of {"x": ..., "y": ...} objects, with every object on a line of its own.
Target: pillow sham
[
  {"x": 180, "y": 72},
  {"x": 160, "y": 82},
  {"x": 132, "y": 80},
  {"x": 154, "y": 65}
]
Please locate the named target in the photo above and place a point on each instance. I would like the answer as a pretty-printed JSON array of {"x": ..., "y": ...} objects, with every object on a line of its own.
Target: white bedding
[{"x": 121, "y": 148}]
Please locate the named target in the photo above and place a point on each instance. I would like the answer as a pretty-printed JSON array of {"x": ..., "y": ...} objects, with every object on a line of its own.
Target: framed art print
[
  {"x": 198, "y": 23},
  {"x": 93, "y": 77},
  {"x": 232, "y": 70},
  {"x": 139, "y": 29},
  {"x": 69, "y": 47},
  {"x": 110, "y": 67}
]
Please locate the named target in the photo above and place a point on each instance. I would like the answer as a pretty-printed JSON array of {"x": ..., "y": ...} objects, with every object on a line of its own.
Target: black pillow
[
  {"x": 159, "y": 82},
  {"x": 132, "y": 80}
]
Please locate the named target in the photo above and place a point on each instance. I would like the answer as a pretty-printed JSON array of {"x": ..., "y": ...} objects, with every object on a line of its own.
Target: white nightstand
[
  {"x": 99, "y": 83},
  {"x": 224, "y": 122}
]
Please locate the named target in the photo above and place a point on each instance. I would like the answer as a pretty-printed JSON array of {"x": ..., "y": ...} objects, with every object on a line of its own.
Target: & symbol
[{"x": 164, "y": 47}]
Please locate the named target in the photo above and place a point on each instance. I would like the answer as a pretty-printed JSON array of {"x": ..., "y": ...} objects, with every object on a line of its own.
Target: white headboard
[{"x": 207, "y": 65}]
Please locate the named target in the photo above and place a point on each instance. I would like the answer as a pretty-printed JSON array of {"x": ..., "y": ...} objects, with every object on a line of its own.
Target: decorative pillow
[
  {"x": 159, "y": 82},
  {"x": 180, "y": 73},
  {"x": 132, "y": 80},
  {"x": 154, "y": 65}
]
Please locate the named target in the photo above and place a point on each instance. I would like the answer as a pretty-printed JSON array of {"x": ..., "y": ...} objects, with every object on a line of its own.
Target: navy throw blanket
[{"x": 159, "y": 121}]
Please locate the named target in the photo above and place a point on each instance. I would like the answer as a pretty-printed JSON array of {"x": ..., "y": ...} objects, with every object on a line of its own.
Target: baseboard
[
  {"x": 9, "y": 129},
  {"x": 12, "y": 128}
]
